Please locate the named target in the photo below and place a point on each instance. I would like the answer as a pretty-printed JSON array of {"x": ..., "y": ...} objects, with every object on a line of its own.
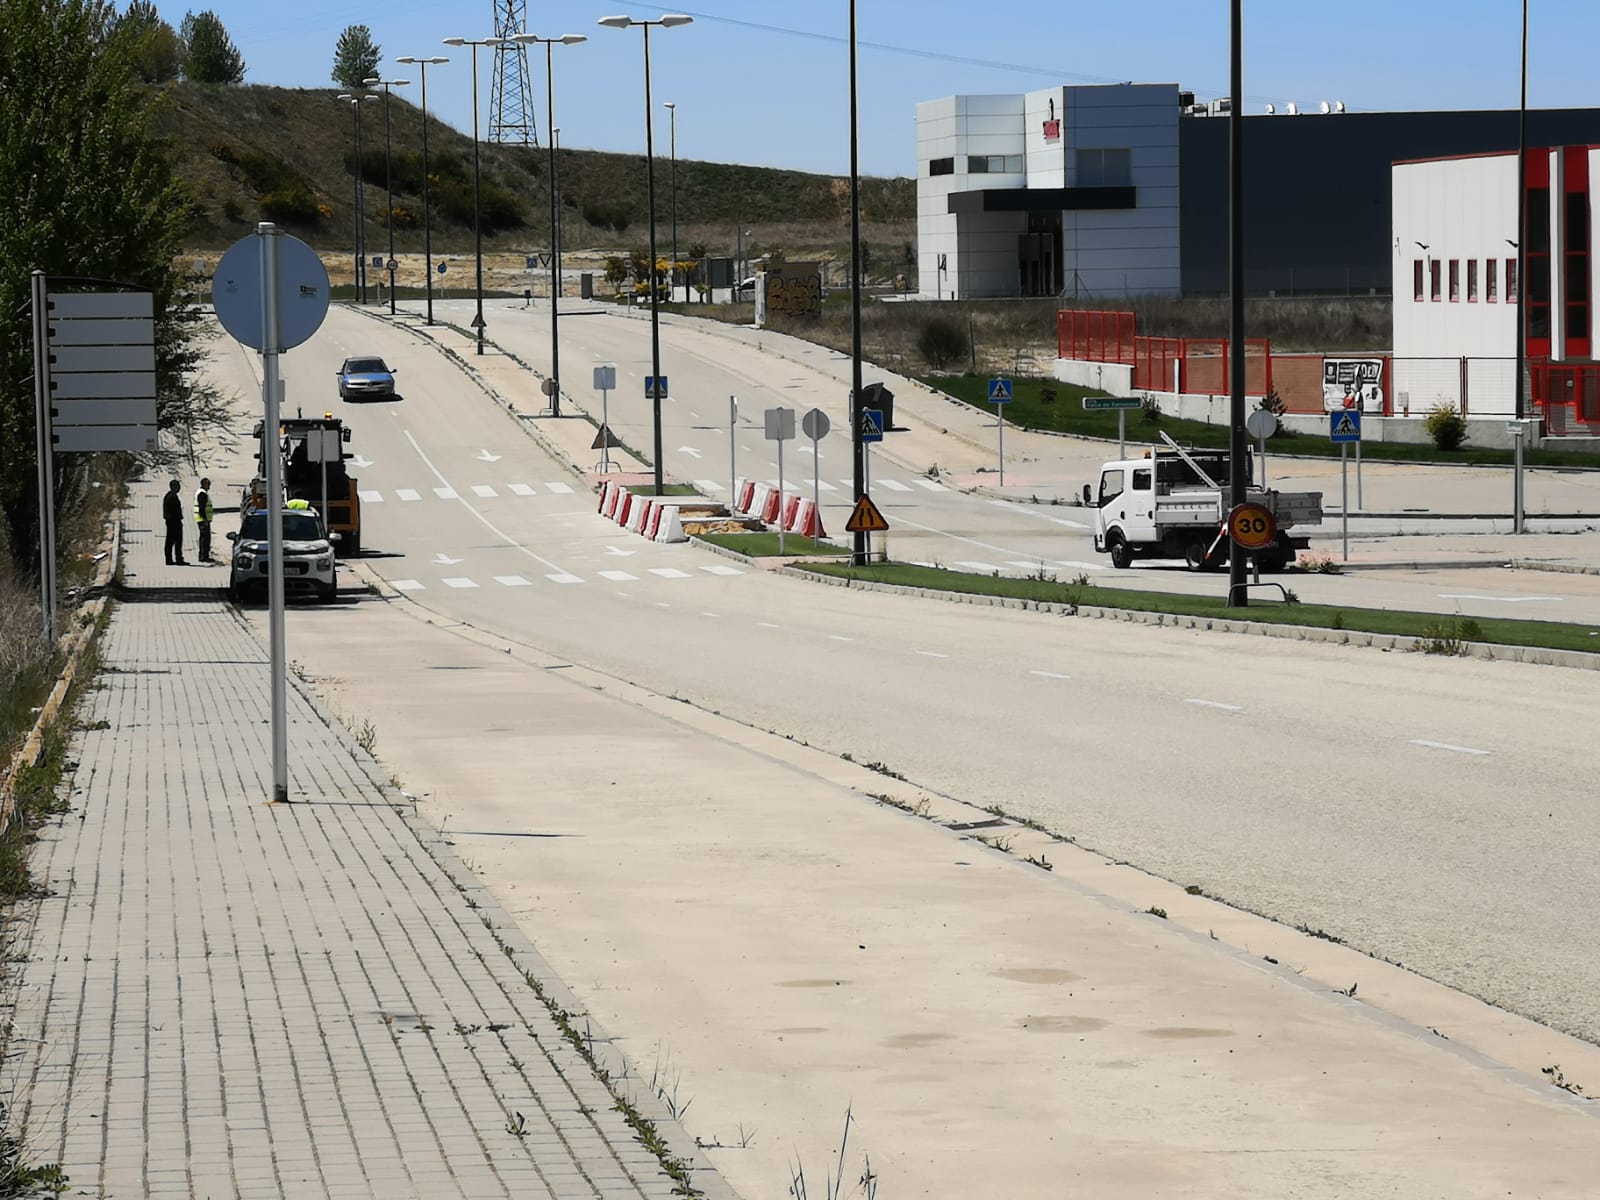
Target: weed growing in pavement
[
  {"x": 1041, "y": 861},
  {"x": 1559, "y": 1079},
  {"x": 1002, "y": 844},
  {"x": 1319, "y": 564},
  {"x": 919, "y": 809},
  {"x": 833, "y": 1185},
  {"x": 666, "y": 1089},
  {"x": 1156, "y": 912},
  {"x": 1449, "y": 638},
  {"x": 367, "y": 736}
]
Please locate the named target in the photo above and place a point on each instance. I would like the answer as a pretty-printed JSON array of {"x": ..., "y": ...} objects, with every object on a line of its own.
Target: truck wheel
[
  {"x": 1194, "y": 555},
  {"x": 328, "y": 595},
  {"x": 1121, "y": 555}
]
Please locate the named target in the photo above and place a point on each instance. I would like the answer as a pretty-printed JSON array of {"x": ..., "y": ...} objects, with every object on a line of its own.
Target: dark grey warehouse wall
[{"x": 1317, "y": 189}]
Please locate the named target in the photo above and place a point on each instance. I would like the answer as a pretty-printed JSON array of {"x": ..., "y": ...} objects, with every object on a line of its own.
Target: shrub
[
  {"x": 290, "y": 205},
  {"x": 1446, "y": 427},
  {"x": 942, "y": 341},
  {"x": 1150, "y": 410}
]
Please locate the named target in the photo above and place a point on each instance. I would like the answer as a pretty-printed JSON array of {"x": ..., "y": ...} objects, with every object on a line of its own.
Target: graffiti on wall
[
  {"x": 1352, "y": 383},
  {"x": 794, "y": 291}
]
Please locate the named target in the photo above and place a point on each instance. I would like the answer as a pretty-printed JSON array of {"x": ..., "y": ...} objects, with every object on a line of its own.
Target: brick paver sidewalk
[{"x": 220, "y": 996}]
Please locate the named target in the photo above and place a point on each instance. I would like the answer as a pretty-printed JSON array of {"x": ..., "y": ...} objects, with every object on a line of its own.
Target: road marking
[
  {"x": 708, "y": 485},
  {"x": 894, "y": 485},
  {"x": 458, "y": 582},
  {"x": 1215, "y": 704},
  {"x": 1049, "y": 675},
  {"x": 1500, "y": 599},
  {"x": 513, "y": 581},
  {"x": 932, "y": 654},
  {"x": 445, "y": 493},
  {"x": 407, "y": 494},
  {"x": 718, "y": 569},
  {"x": 522, "y": 489},
  {"x": 824, "y": 486},
  {"x": 484, "y": 490},
  {"x": 712, "y": 615},
  {"x": 1069, "y": 524},
  {"x": 406, "y": 585},
  {"x": 839, "y": 637},
  {"x": 767, "y": 625},
  {"x": 1082, "y": 566},
  {"x": 619, "y": 577},
  {"x": 371, "y": 497},
  {"x": 669, "y": 572},
  {"x": 986, "y": 568},
  {"x": 485, "y": 456},
  {"x": 929, "y": 484},
  {"x": 560, "y": 489},
  {"x": 444, "y": 560},
  {"x": 662, "y": 604},
  {"x": 1025, "y": 566},
  {"x": 563, "y": 577},
  {"x": 1423, "y": 742}
]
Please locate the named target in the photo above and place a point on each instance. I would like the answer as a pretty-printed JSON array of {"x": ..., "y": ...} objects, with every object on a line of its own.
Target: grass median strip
[
  {"x": 1438, "y": 632},
  {"x": 765, "y": 545}
]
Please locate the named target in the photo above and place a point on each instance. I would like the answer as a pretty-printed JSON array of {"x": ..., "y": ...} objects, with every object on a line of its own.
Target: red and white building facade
[{"x": 1456, "y": 258}]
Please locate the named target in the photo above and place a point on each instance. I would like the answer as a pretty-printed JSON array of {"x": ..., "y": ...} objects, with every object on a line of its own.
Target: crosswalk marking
[
  {"x": 559, "y": 489},
  {"x": 563, "y": 577},
  {"x": 669, "y": 572},
  {"x": 484, "y": 490},
  {"x": 894, "y": 485},
  {"x": 407, "y": 494},
  {"x": 371, "y": 497},
  {"x": 619, "y": 576},
  {"x": 929, "y": 484},
  {"x": 719, "y": 569},
  {"x": 459, "y": 582},
  {"x": 709, "y": 485},
  {"x": 824, "y": 486},
  {"x": 513, "y": 581},
  {"x": 522, "y": 489},
  {"x": 445, "y": 493},
  {"x": 406, "y": 585}
]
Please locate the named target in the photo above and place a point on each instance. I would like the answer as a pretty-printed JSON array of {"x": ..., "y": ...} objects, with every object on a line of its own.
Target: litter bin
[{"x": 586, "y": 285}]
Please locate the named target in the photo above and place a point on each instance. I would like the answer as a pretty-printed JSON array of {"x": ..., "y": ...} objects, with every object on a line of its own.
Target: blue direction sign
[
  {"x": 999, "y": 391},
  {"x": 1344, "y": 425},
  {"x": 655, "y": 387},
  {"x": 872, "y": 425}
]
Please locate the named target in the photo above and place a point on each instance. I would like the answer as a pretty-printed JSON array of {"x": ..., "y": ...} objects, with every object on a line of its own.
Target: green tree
[
  {"x": 86, "y": 191},
  {"x": 356, "y": 57},
  {"x": 152, "y": 45},
  {"x": 209, "y": 55}
]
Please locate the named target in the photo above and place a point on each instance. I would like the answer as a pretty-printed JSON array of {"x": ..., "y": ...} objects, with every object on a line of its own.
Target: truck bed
[{"x": 1208, "y": 506}]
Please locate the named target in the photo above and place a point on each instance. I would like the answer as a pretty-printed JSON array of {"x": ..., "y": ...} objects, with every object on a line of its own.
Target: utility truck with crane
[{"x": 313, "y": 456}]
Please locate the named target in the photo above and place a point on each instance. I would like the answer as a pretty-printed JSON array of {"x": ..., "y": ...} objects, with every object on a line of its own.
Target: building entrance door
[{"x": 1039, "y": 255}]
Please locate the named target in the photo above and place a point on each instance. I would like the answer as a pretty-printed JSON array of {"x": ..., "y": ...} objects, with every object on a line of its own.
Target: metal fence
[{"x": 1095, "y": 335}]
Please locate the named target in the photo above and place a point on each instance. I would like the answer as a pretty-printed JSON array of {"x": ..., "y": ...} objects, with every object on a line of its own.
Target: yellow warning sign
[{"x": 866, "y": 518}]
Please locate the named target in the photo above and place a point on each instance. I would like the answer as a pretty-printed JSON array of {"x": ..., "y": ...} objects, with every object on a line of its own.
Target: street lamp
[
  {"x": 858, "y": 448},
  {"x": 358, "y": 284},
  {"x": 477, "y": 220},
  {"x": 672, "y": 110},
  {"x": 388, "y": 173},
  {"x": 669, "y": 21},
  {"x": 427, "y": 216},
  {"x": 566, "y": 39}
]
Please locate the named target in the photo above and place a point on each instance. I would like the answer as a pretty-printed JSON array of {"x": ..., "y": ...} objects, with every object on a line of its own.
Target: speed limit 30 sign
[{"x": 1252, "y": 526}]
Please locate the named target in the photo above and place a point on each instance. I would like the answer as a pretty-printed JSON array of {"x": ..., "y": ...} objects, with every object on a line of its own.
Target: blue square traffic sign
[
  {"x": 999, "y": 391},
  {"x": 871, "y": 425},
  {"x": 1344, "y": 425},
  {"x": 655, "y": 387}
]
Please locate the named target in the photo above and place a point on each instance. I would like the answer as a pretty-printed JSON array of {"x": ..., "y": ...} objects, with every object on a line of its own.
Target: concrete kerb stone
[{"x": 1532, "y": 655}]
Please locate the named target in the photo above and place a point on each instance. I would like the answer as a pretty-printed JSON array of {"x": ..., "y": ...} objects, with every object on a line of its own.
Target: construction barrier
[
  {"x": 625, "y": 503},
  {"x": 771, "y": 506},
  {"x": 670, "y": 528},
  {"x": 639, "y": 515},
  {"x": 786, "y": 518},
  {"x": 744, "y": 491},
  {"x": 610, "y": 497},
  {"x": 652, "y": 521},
  {"x": 804, "y": 518}
]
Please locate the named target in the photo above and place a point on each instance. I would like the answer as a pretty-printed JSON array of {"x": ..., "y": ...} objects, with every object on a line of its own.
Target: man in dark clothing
[
  {"x": 203, "y": 513},
  {"x": 172, "y": 514}
]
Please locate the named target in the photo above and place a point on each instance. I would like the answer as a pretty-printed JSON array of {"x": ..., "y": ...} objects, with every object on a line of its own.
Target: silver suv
[{"x": 308, "y": 564}]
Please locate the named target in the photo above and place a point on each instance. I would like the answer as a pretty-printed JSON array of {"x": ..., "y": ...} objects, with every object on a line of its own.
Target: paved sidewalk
[{"x": 221, "y": 996}]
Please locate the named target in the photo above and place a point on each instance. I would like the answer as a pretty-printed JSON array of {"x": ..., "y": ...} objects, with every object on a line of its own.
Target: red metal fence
[
  {"x": 1568, "y": 394},
  {"x": 1095, "y": 335},
  {"x": 1157, "y": 364}
]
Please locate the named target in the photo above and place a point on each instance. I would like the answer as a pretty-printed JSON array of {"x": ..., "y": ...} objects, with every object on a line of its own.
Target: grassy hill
[{"x": 255, "y": 153}]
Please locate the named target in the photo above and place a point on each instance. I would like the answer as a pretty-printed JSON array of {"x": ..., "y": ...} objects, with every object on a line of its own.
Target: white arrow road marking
[
  {"x": 445, "y": 493},
  {"x": 371, "y": 497},
  {"x": 406, "y": 585},
  {"x": 444, "y": 560},
  {"x": 1215, "y": 704},
  {"x": 485, "y": 456},
  {"x": 522, "y": 489},
  {"x": 620, "y": 552},
  {"x": 1500, "y": 599},
  {"x": 513, "y": 581},
  {"x": 407, "y": 494},
  {"x": 689, "y": 450},
  {"x": 1423, "y": 742},
  {"x": 459, "y": 583},
  {"x": 484, "y": 490},
  {"x": 360, "y": 463}
]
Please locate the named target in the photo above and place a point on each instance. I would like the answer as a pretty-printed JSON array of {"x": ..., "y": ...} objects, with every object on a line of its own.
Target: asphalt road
[{"x": 1433, "y": 812}]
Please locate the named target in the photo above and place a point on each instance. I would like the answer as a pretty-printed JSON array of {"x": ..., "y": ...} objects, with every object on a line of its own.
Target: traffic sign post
[
  {"x": 605, "y": 378},
  {"x": 733, "y": 451},
  {"x": 999, "y": 394},
  {"x": 865, "y": 517},
  {"x": 815, "y": 425},
  {"x": 1261, "y": 425},
  {"x": 871, "y": 431},
  {"x": 780, "y": 429},
  {"x": 1344, "y": 427},
  {"x": 1122, "y": 404}
]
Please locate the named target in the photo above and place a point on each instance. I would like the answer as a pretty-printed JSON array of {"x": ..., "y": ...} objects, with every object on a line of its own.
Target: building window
[
  {"x": 1104, "y": 168},
  {"x": 1416, "y": 279},
  {"x": 1575, "y": 226},
  {"x": 1511, "y": 281},
  {"x": 1433, "y": 280},
  {"x": 1491, "y": 268},
  {"x": 1472, "y": 281},
  {"x": 994, "y": 164},
  {"x": 1455, "y": 280},
  {"x": 942, "y": 166}
]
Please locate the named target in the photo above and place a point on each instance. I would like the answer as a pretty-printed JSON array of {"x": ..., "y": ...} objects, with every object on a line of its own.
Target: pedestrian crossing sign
[
  {"x": 872, "y": 425},
  {"x": 866, "y": 518},
  {"x": 999, "y": 391},
  {"x": 1345, "y": 425}
]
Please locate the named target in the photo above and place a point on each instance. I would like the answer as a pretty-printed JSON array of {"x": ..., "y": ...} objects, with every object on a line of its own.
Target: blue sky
[{"x": 765, "y": 82}]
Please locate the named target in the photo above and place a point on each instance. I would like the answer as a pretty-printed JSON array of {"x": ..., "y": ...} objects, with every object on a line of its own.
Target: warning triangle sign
[
  {"x": 1346, "y": 424},
  {"x": 866, "y": 518},
  {"x": 604, "y": 438}
]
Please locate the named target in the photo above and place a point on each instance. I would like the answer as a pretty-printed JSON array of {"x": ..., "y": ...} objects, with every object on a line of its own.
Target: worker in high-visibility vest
[
  {"x": 298, "y": 505},
  {"x": 204, "y": 511}
]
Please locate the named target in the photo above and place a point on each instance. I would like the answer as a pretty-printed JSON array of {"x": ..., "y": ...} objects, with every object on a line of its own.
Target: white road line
[
  {"x": 445, "y": 493},
  {"x": 767, "y": 625},
  {"x": 1499, "y": 599},
  {"x": 669, "y": 572},
  {"x": 1446, "y": 746},
  {"x": 824, "y": 486},
  {"x": 619, "y": 577},
  {"x": 407, "y": 494},
  {"x": 484, "y": 490},
  {"x": 932, "y": 654},
  {"x": 1036, "y": 565},
  {"x": 1082, "y": 566},
  {"x": 662, "y": 604},
  {"x": 1215, "y": 704},
  {"x": 929, "y": 484},
  {"x": 560, "y": 489},
  {"x": 1068, "y": 524},
  {"x": 371, "y": 497},
  {"x": 458, "y": 582},
  {"x": 712, "y": 615},
  {"x": 522, "y": 489},
  {"x": 839, "y": 637},
  {"x": 718, "y": 569},
  {"x": 894, "y": 485},
  {"x": 986, "y": 568},
  {"x": 1049, "y": 675},
  {"x": 709, "y": 485},
  {"x": 406, "y": 585},
  {"x": 563, "y": 577},
  {"x": 513, "y": 581}
]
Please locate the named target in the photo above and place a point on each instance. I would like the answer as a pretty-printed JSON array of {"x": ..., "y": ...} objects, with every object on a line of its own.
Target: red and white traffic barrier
[
  {"x": 744, "y": 491},
  {"x": 804, "y": 518},
  {"x": 640, "y": 514},
  {"x": 669, "y": 526},
  {"x": 771, "y": 506}
]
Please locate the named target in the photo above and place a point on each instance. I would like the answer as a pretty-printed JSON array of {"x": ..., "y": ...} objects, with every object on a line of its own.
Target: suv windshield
[
  {"x": 360, "y": 366},
  {"x": 297, "y": 527}
]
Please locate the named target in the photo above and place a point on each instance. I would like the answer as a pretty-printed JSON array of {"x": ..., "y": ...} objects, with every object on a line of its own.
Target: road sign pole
[
  {"x": 1344, "y": 495},
  {"x": 1261, "y": 453},
  {"x": 780, "y": 497},
  {"x": 46, "y": 452},
  {"x": 271, "y": 394},
  {"x": 733, "y": 450},
  {"x": 1517, "y": 508},
  {"x": 1122, "y": 433},
  {"x": 816, "y": 479},
  {"x": 1000, "y": 416},
  {"x": 605, "y": 425},
  {"x": 1359, "y": 503}
]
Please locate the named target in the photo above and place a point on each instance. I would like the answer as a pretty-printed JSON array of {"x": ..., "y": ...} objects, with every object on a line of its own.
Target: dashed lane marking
[
  {"x": 560, "y": 489},
  {"x": 458, "y": 582},
  {"x": 484, "y": 490},
  {"x": 407, "y": 494},
  {"x": 1427, "y": 745},
  {"x": 1049, "y": 675},
  {"x": 522, "y": 489},
  {"x": 718, "y": 569},
  {"x": 932, "y": 654},
  {"x": 406, "y": 585},
  {"x": 894, "y": 485},
  {"x": 669, "y": 573},
  {"x": 563, "y": 577},
  {"x": 371, "y": 497},
  {"x": 513, "y": 581},
  {"x": 619, "y": 577},
  {"x": 929, "y": 484},
  {"x": 1215, "y": 704}
]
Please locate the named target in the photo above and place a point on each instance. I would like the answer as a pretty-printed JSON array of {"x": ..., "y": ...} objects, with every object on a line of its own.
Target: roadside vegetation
[
  {"x": 765, "y": 545},
  {"x": 1433, "y": 632}
]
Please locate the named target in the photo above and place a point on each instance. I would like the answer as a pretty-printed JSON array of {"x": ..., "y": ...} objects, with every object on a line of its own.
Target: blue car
[{"x": 366, "y": 379}]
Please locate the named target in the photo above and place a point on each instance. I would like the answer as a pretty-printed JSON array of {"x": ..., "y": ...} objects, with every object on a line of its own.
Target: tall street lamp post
[
  {"x": 359, "y": 283},
  {"x": 858, "y": 448},
  {"x": 427, "y": 215},
  {"x": 672, "y": 111},
  {"x": 477, "y": 219},
  {"x": 1238, "y": 594},
  {"x": 566, "y": 39},
  {"x": 668, "y": 21},
  {"x": 388, "y": 174}
]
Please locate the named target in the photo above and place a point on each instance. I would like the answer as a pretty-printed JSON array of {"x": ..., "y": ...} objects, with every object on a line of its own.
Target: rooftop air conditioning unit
[
  {"x": 1325, "y": 108},
  {"x": 1218, "y": 107},
  {"x": 1271, "y": 109},
  {"x": 1338, "y": 106},
  {"x": 1185, "y": 99},
  {"x": 1291, "y": 109}
]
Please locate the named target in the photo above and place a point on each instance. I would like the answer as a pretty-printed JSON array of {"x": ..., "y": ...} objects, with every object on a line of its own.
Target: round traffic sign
[
  {"x": 441, "y": 268},
  {"x": 1261, "y": 424},
  {"x": 302, "y": 300},
  {"x": 393, "y": 264},
  {"x": 1252, "y": 526},
  {"x": 815, "y": 424}
]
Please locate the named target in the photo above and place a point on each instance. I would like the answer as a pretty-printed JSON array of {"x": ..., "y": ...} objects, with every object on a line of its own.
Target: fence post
[{"x": 1464, "y": 374}]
